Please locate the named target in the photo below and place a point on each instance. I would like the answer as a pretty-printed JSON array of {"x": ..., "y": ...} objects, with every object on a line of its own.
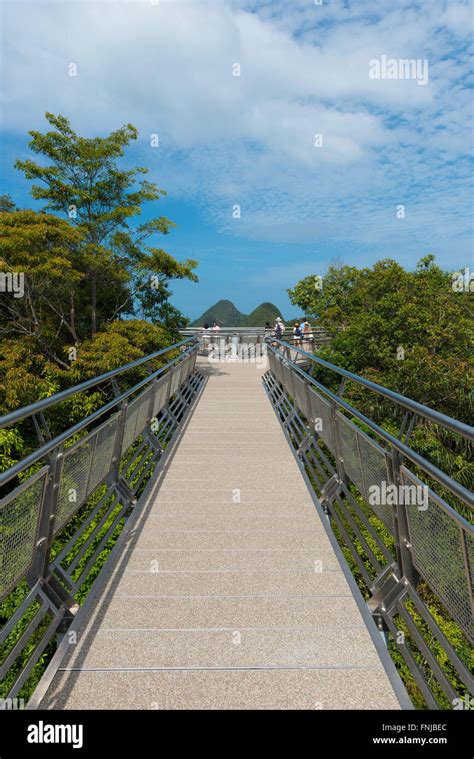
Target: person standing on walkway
[
  {"x": 307, "y": 336},
  {"x": 297, "y": 334},
  {"x": 205, "y": 336},
  {"x": 279, "y": 328}
]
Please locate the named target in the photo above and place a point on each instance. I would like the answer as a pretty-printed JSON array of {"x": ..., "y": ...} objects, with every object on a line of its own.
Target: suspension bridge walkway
[
  {"x": 249, "y": 606},
  {"x": 227, "y": 587}
]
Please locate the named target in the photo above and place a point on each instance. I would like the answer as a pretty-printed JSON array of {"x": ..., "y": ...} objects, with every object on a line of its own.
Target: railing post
[
  {"x": 338, "y": 455},
  {"x": 149, "y": 413},
  {"x": 47, "y": 514},
  {"x": 45, "y": 535},
  {"x": 114, "y": 478},
  {"x": 402, "y": 540}
]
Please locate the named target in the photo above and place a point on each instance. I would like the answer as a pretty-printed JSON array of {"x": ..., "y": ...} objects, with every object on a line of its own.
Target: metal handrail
[
  {"x": 35, "y": 408},
  {"x": 431, "y": 549},
  {"x": 444, "y": 479},
  {"x": 94, "y": 486},
  {"x": 418, "y": 408},
  {"x": 317, "y": 334}
]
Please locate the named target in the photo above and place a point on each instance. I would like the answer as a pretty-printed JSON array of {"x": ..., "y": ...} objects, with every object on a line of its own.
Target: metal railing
[
  {"x": 403, "y": 522},
  {"x": 67, "y": 501},
  {"x": 242, "y": 340}
]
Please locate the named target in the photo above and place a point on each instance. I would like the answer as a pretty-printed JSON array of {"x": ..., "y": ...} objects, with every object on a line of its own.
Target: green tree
[
  {"x": 84, "y": 181},
  {"x": 407, "y": 330},
  {"x": 45, "y": 251},
  {"x": 6, "y": 203}
]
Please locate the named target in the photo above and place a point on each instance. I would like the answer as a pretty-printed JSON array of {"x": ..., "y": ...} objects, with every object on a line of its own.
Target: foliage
[
  {"x": 397, "y": 328},
  {"x": 265, "y": 312},
  {"x": 84, "y": 181},
  {"x": 82, "y": 275},
  {"x": 410, "y": 332}
]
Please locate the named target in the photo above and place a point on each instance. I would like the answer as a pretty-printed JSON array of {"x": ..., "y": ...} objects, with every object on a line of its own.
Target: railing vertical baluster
[
  {"x": 45, "y": 535},
  {"x": 115, "y": 478},
  {"x": 47, "y": 515},
  {"x": 467, "y": 568},
  {"x": 401, "y": 527},
  {"x": 341, "y": 471}
]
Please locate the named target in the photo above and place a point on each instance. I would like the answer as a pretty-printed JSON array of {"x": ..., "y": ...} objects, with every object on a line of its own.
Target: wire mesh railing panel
[
  {"x": 437, "y": 537},
  {"x": 104, "y": 449},
  {"x": 350, "y": 450},
  {"x": 301, "y": 396},
  {"x": 321, "y": 418},
  {"x": 19, "y": 519},
  {"x": 190, "y": 366},
  {"x": 74, "y": 480},
  {"x": 130, "y": 423},
  {"x": 143, "y": 411},
  {"x": 175, "y": 379},
  {"x": 182, "y": 373},
  {"x": 289, "y": 377},
  {"x": 366, "y": 465},
  {"x": 375, "y": 473},
  {"x": 279, "y": 370},
  {"x": 293, "y": 355},
  {"x": 185, "y": 370},
  {"x": 161, "y": 393},
  {"x": 272, "y": 362}
]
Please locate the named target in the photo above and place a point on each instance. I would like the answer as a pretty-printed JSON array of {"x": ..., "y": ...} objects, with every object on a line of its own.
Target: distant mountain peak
[{"x": 225, "y": 313}]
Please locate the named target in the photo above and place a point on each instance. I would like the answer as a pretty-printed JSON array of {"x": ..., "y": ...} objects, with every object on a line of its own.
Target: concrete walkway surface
[{"x": 228, "y": 593}]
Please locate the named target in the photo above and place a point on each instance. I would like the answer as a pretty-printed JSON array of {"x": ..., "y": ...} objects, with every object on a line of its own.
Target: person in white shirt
[
  {"x": 279, "y": 328},
  {"x": 307, "y": 335}
]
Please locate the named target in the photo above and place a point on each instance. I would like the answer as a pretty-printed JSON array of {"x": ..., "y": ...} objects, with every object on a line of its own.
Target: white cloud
[{"x": 249, "y": 139}]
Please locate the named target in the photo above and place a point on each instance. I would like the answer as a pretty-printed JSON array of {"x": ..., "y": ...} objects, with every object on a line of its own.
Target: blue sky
[{"x": 248, "y": 140}]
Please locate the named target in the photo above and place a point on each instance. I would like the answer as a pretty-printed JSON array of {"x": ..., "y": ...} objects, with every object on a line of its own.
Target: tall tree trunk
[
  {"x": 73, "y": 317},
  {"x": 94, "y": 304}
]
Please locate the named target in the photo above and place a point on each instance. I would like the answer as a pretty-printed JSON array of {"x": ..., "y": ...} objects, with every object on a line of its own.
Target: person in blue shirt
[{"x": 297, "y": 334}]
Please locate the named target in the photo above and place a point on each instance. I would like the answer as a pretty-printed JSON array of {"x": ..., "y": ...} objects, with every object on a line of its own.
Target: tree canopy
[
  {"x": 408, "y": 330},
  {"x": 85, "y": 182},
  {"x": 95, "y": 282}
]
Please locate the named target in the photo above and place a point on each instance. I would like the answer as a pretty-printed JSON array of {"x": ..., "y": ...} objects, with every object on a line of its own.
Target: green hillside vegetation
[
  {"x": 266, "y": 312},
  {"x": 223, "y": 312},
  {"x": 227, "y": 315}
]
